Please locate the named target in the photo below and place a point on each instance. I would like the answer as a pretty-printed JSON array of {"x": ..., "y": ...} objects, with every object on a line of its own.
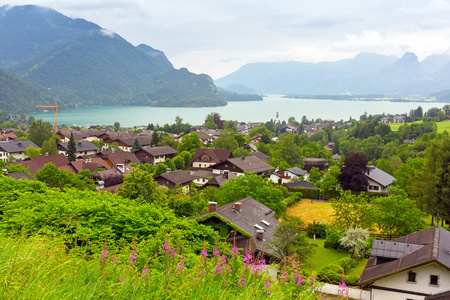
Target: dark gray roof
[
  {"x": 252, "y": 213},
  {"x": 162, "y": 150},
  {"x": 81, "y": 146},
  {"x": 297, "y": 171},
  {"x": 20, "y": 175},
  {"x": 251, "y": 164},
  {"x": 380, "y": 176},
  {"x": 16, "y": 146},
  {"x": 177, "y": 177},
  {"x": 431, "y": 245}
]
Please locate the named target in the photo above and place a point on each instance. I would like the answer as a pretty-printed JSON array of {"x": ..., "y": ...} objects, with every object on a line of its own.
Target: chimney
[
  {"x": 168, "y": 170},
  {"x": 260, "y": 234},
  {"x": 5, "y": 172},
  {"x": 243, "y": 157},
  {"x": 238, "y": 206},
  {"x": 212, "y": 206},
  {"x": 19, "y": 144}
]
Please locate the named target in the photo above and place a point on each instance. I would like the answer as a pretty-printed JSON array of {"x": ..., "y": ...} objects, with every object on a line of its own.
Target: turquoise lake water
[{"x": 258, "y": 111}]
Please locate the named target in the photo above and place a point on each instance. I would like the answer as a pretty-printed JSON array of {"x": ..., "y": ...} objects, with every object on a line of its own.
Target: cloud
[{"x": 107, "y": 33}]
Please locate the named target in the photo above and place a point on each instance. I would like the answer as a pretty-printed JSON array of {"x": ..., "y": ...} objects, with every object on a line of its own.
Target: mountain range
[
  {"x": 76, "y": 62},
  {"x": 366, "y": 73}
]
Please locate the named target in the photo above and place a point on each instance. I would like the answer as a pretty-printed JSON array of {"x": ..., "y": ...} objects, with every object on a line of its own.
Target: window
[
  {"x": 374, "y": 188},
  {"x": 411, "y": 276},
  {"x": 434, "y": 280}
]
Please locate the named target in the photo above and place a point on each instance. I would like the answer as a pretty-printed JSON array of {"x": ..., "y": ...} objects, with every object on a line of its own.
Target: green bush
[
  {"x": 351, "y": 280},
  {"x": 332, "y": 239},
  {"x": 307, "y": 193},
  {"x": 319, "y": 229},
  {"x": 331, "y": 273}
]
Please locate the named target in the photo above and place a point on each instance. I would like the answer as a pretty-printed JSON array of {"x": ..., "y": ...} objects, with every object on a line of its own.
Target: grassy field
[
  {"x": 441, "y": 126},
  {"x": 310, "y": 211}
]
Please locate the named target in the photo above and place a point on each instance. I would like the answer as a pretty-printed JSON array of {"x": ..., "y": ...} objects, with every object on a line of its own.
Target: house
[
  {"x": 250, "y": 224},
  {"x": 218, "y": 180},
  {"x": 82, "y": 148},
  {"x": 256, "y": 139},
  {"x": 378, "y": 180},
  {"x": 109, "y": 177},
  {"x": 261, "y": 155},
  {"x": 395, "y": 119},
  {"x": 287, "y": 175},
  {"x": 91, "y": 164},
  {"x": 312, "y": 162},
  {"x": 126, "y": 143},
  {"x": 173, "y": 179},
  {"x": 205, "y": 138},
  {"x": 8, "y": 137},
  {"x": 204, "y": 158},
  {"x": 203, "y": 176},
  {"x": 18, "y": 175},
  {"x": 120, "y": 160},
  {"x": 15, "y": 148},
  {"x": 239, "y": 165},
  {"x": 155, "y": 155},
  {"x": 415, "y": 266}
]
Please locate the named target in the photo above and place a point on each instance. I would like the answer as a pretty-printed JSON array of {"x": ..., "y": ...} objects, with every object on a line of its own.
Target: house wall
[
  {"x": 17, "y": 155},
  {"x": 204, "y": 161},
  {"x": 422, "y": 284},
  {"x": 373, "y": 184}
]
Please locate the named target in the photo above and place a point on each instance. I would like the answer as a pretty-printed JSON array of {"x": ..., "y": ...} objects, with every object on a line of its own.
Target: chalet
[
  {"x": 256, "y": 139},
  {"x": 261, "y": 155},
  {"x": 205, "y": 138},
  {"x": 120, "y": 160},
  {"x": 312, "y": 162},
  {"x": 155, "y": 155},
  {"x": 287, "y": 175},
  {"x": 82, "y": 148},
  {"x": 18, "y": 175},
  {"x": 174, "y": 179},
  {"x": 79, "y": 135},
  {"x": 109, "y": 177},
  {"x": 378, "y": 180},
  {"x": 203, "y": 176},
  {"x": 126, "y": 143},
  {"x": 8, "y": 137},
  {"x": 218, "y": 180},
  {"x": 395, "y": 119},
  {"x": 239, "y": 165},
  {"x": 250, "y": 224},
  {"x": 91, "y": 164},
  {"x": 204, "y": 158},
  {"x": 415, "y": 266},
  {"x": 15, "y": 148},
  {"x": 300, "y": 184}
]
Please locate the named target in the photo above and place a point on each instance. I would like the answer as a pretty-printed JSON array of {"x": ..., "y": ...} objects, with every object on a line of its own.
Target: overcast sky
[{"x": 216, "y": 37}]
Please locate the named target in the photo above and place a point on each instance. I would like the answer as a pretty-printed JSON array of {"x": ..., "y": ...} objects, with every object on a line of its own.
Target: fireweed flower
[
  {"x": 104, "y": 254},
  {"x": 132, "y": 258},
  {"x": 218, "y": 269},
  {"x": 166, "y": 247},
  {"x": 173, "y": 253},
  {"x": 241, "y": 282},
  {"x": 234, "y": 250},
  {"x": 145, "y": 272},
  {"x": 223, "y": 260},
  {"x": 115, "y": 260},
  {"x": 204, "y": 253},
  {"x": 342, "y": 289},
  {"x": 216, "y": 252},
  {"x": 180, "y": 267},
  {"x": 247, "y": 259},
  {"x": 285, "y": 277}
]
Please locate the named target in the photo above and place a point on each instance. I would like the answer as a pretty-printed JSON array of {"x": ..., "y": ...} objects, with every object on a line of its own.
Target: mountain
[
  {"x": 366, "y": 73},
  {"x": 83, "y": 64},
  {"x": 18, "y": 95}
]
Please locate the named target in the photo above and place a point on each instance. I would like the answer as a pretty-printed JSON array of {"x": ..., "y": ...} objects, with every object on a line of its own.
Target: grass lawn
[
  {"x": 310, "y": 211},
  {"x": 441, "y": 126},
  {"x": 324, "y": 256}
]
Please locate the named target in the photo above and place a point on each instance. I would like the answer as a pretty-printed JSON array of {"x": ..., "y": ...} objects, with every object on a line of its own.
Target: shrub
[
  {"x": 332, "y": 239},
  {"x": 331, "y": 274},
  {"x": 319, "y": 229},
  {"x": 351, "y": 280}
]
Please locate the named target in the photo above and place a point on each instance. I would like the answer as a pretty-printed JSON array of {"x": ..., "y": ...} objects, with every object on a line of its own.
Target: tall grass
[{"x": 42, "y": 268}]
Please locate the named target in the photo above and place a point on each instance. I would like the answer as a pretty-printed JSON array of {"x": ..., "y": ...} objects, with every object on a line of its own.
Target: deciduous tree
[{"x": 353, "y": 173}]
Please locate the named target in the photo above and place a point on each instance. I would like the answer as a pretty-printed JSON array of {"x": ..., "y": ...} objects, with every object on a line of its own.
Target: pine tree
[
  {"x": 71, "y": 149},
  {"x": 136, "y": 145}
]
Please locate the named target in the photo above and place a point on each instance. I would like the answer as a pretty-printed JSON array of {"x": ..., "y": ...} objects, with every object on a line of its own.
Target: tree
[
  {"x": 239, "y": 152},
  {"x": 136, "y": 145},
  {"x": 54, "y": 177},
  {"x": 40, "y": 131},
  {"x": 117, "y": 126},
  {"x": 289, "y": 152},
  {"x": 331, "y": 180},
  {"x": 32, "y": 152},
  {"x": 431, "y": 187},
  {"x": 155, "y": 139},
  {"x": 189, "y": 142},
  {"x": 254, "y": 186},
  {"x": 209, "y": 122},
  {"x": 179, "y": 162},
  {"x": 351, "y": 210},
  {"x": 397, "y": 214},
  {"x": 161, "y": 168},
  {"x": 49, "y": 147},
  {"x": 286, "y": 240},
  {"x": 71, "y": 148},
  {"x": 314, "y": 176},
  {"x": 140, "y": 185},
  {"x": 353, "y": 173},
  {"x": 113, "y": 146},
  {"x": 355, "y": 239},
  {"x": 167, "y": 140},
  {"x": 404, "y": 176},
  {"x": 226, "y": 140}
]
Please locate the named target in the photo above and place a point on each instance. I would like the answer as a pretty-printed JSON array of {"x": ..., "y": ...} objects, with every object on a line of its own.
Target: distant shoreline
[{"x": 380, "y": 98}]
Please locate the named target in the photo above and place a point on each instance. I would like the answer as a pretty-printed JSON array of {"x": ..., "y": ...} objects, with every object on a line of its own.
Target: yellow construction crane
[{"x": 56, "y": 113}]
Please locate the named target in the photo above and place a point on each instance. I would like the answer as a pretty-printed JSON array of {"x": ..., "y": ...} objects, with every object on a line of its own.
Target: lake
[{"x": 257, "y": 111}]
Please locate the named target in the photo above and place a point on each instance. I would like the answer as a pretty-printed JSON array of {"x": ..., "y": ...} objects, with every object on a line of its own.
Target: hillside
[
  {"x": 18, "y": 95},
  {"x": 83, "y": 64},
  {"x": 366, "y": 73}
]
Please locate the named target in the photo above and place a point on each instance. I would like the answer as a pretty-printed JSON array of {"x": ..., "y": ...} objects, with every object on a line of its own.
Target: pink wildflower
[
  {"x": 234, "y": 250},
  {"x": 241, "y": 282},
  {"x": 173, "y": 253},
  {"x": 104, "y": 254},
  {"x": 132, "y": 258},
  {"x": 216, "y": 252},
  {"x": 115, "y": 260},
  {"x": 145, "y": 272},
  {"x": 166, "y": 247},
  {"x": 204, "y": 253}
]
